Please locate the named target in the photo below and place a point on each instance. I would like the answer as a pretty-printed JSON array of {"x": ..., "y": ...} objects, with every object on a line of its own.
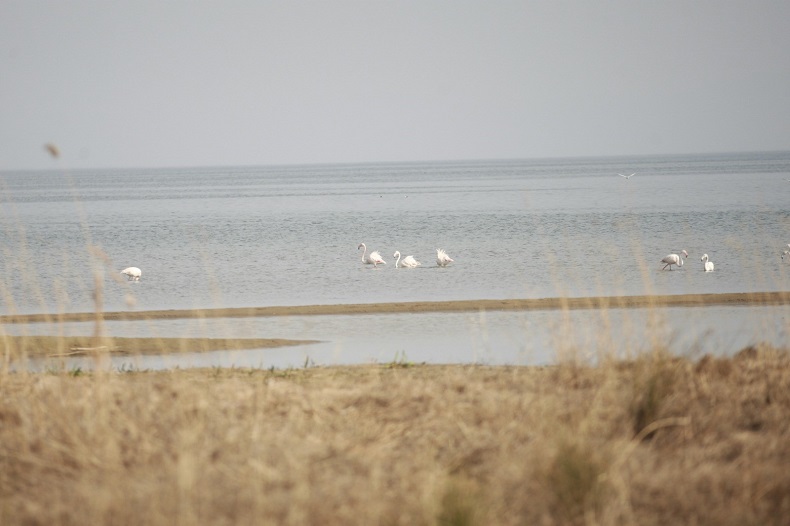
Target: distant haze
[{"x": 137, "y": 84}]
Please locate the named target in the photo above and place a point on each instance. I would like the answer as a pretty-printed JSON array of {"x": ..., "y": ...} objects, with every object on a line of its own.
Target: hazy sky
[{"x": 139, "y": 83}]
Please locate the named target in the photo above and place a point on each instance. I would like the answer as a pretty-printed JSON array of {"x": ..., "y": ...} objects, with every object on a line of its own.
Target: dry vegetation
[{"x": 652, "y": 441}]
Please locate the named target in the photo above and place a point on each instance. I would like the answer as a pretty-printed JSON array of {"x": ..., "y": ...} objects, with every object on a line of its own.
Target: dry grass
[{"x": 653, "y": 441}]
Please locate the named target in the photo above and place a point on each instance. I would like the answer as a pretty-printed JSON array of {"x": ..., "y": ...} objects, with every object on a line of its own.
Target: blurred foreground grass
[{"x": 653, "y": 440}]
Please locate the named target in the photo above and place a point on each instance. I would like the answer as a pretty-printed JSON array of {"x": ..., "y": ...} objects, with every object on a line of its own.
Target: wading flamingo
[
  {"x": 674, "y": 259},
  {"x": 408, "y": 261},
  {"x": 442, "y": 259},
  {"x": 374, "y": 258},
  {"x": 132, "y": 273},
  {"x": 708, "y": 265}
]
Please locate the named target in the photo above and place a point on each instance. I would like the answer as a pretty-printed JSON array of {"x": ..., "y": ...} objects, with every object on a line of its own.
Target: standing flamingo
[
  {"x": 674, "y": 259},
  {"x": 708, "y": 265},
  {"x": 132, "y": 273},
  {"x": 442, "y": 259},
  {"x": 374, "y": 258},
  {"x": 408, "y": 261}
]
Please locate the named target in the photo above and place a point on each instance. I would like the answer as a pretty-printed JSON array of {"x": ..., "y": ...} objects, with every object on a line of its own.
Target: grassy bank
[{"x": 653, "y": 441}]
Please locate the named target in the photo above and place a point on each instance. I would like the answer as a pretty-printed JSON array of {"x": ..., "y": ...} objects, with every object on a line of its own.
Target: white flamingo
[
  {"x": 442, "y": 259},
  {"x": 674, "y": 259},
  {"x": 132, "y": 273},
  {"x": 374, "y": 258},
  {"x": 708, "y": 265},
  {"x": 408, "y": 261},
  {"x": 627, "y": 176}
]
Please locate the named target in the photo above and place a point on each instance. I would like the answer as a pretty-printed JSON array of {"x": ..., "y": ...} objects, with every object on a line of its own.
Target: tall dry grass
[{"x": 651, "y": 441}]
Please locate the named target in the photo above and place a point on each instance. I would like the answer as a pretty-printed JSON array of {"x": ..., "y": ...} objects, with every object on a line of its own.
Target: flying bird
[
  {"x": 408, "y": 261},
  {"x": 132, "y": 273},
  {"x": 627, "y": 176},
  {"x": 708, "y": 265},
  {"x": 442, "y": 259},
  {"x": 52, "y": 149},
  {"x": 674, "y": 259},
  {"x": 374, "y": 258}
]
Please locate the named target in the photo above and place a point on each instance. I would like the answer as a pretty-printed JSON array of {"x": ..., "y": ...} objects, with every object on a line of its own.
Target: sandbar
[{"x": 555, "y": 303}]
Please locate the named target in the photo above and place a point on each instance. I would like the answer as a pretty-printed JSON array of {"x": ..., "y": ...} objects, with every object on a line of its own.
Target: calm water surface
[
  {"x": 495, "y": 338},
  {"x": 257, "y": 236}
]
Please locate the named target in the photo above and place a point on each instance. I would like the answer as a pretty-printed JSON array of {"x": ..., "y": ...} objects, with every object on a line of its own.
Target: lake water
[{"x": 260, "y": 236}]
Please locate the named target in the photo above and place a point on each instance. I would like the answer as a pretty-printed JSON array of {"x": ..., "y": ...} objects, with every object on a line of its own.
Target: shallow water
[
  {"x": 288, "y": 235},
  {"x": 495, "y": 338},
  {"x": 258, "y": 236}
]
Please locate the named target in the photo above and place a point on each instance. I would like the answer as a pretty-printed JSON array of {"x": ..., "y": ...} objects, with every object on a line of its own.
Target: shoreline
[{"x": 555, "y": 303}]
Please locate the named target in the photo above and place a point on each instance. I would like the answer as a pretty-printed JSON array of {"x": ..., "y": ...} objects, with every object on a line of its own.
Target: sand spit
[
  {"x": 594, "y": 302},
  {"x": 72, "y": 346}
]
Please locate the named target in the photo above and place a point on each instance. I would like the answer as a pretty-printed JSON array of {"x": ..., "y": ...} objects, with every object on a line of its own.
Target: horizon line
[{"x": 383, "y": 162}]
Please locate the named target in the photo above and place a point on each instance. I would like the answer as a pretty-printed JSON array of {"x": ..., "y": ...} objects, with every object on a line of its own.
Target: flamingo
[
  {"x": 674, "y": 259},
  {"x": 786, "y": 252},
  {"x": 374, "y": 258},
  {"x": 708, "y": 264},
  {"x": 132, "y": 273},
  {"x": 627, "y": 176},
  {"x": 442, "y": 259},
  {"x": 408, "y": 261}
]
